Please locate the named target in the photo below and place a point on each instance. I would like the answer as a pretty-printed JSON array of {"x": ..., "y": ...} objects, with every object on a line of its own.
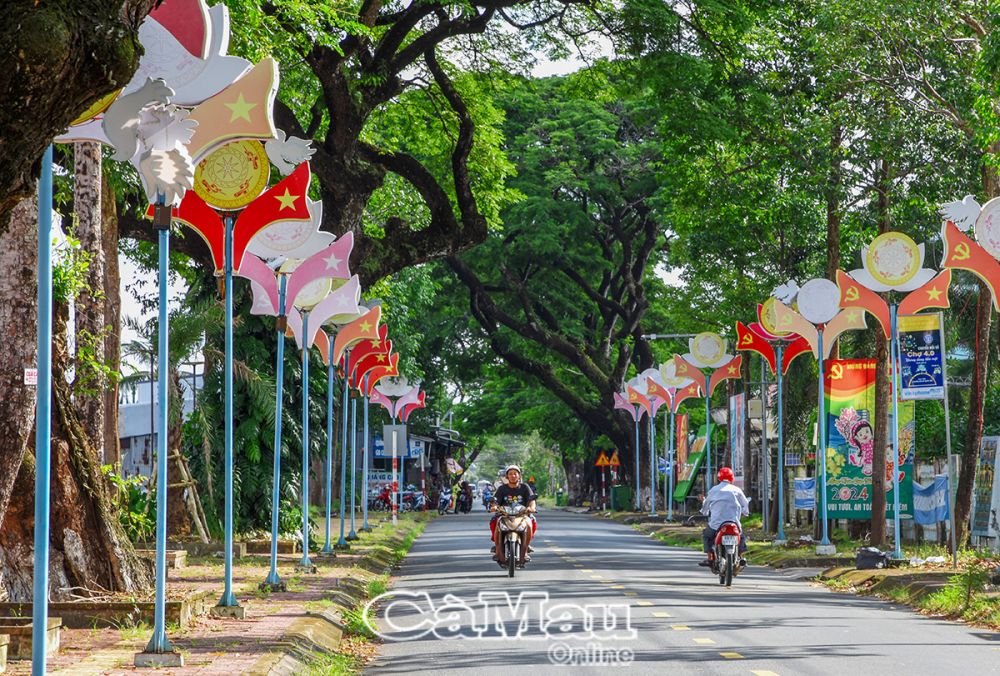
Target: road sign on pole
[{"x": 602, "y": 460}]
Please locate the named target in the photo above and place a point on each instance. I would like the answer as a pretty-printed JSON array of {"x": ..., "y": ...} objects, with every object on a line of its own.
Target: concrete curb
[{"x": 319, "y": 634}]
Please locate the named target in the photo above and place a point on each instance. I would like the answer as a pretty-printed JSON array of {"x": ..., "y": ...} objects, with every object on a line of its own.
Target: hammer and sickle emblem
[
  {"x": 836, "y": 372},
  {"x": 747, "y": 339},
  {"x": 852, "y": 294},
  {"x": 961, "y": 252}
]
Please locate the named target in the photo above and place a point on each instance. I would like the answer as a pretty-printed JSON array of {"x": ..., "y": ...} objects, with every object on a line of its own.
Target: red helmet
[{"x": 725, "y": 474}]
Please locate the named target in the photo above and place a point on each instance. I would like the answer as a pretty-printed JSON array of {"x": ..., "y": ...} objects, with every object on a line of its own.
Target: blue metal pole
[
  {"x": 305, "y": 562},
  {"x": 709, "y": 479},
  {"x": 893, "y": 362},
  {"x": 43, "y": 420},
  {"x": 670, "y": 466},
  {"x": 652, "y": 466},
  {"x": 342, "y": 542},
  {"x": 821, "y": 441},
  {"x": 780, "y": 537},
  {"x": 364, "y": 486},
  {"x": 272, "y": 579},
  {"x": 228, "y": 599},
  {"x": 327, "y": 549},
  {"x": 635, "y": 501},
  {"x": 159, "y": 642},
  {"x": 353, "y": 535}
]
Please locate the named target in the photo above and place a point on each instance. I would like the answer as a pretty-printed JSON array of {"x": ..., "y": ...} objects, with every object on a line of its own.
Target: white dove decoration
[
  {"x": 287, "y": 153},
  {"x": 963, "y": 214},
  {"x": 786, "y": 292}
]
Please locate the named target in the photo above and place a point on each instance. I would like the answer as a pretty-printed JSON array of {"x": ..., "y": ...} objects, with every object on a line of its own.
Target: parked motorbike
[
  {"x": 513, "y": 523},
  {"x": 443, "y": 502},
  {"x": 726, "y": 559}
]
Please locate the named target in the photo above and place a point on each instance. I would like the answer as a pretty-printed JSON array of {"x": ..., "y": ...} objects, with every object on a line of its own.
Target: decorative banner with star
[
  {"x": 263, "y": 285},
  {"x": 622, "y": 403},
  {"x": 964, "y": 254},
  {"x": 932, "y": 295},
  {"x": 410, "y": 398},
  {"x": 854, "y": 295},
  {"x": 728, "y": 371},
  {"x": 376, "y": 397},
  {"x": 749, "y": 341},
  {"x": 367, "y": 365},
  {"x": 331, "y": 262},
  {"x": 410, "y": 408},
  {"x": 846, "y": 320},
  {"x": 369, "y": 347},
  {"x": 689, "y": 392},
  {"x": 364, "y": 327},
  {"x": 380, "y": 372},
  {"x": 243, "y": 110},
  {"x": 796, "y": 348},
  {"x": 685, "y": 369},
  {"x": 658, "y": 393},
  {"x": 343, "y": 300},
  {"x": 286, "y": 201},
  {"x": 637, "y": 398},
  {"x": 790, "y": 320}
]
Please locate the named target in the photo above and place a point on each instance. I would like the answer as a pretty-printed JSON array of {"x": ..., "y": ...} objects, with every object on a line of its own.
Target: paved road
[{"x": 765, "y": 625}]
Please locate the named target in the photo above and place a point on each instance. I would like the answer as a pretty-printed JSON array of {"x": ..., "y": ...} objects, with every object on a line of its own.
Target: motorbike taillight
[{"x": 729, "y": 529}]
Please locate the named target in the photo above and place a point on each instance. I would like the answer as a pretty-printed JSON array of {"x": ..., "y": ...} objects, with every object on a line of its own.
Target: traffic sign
[
  {"x": 602, "y": 460},
  {"x": 614, "y": 461}
]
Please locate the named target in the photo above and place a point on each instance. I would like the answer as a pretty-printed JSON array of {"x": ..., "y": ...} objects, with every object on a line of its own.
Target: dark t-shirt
[{"x": 522, "y": 495}]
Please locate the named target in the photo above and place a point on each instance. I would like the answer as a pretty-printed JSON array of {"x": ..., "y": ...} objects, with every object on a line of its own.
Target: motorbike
[
  {"x": 463, "y": 504},
  {"x": 381, "y": 502},
  {"x": 513, "y": 523},
  {"x": 487, "y": 496},
  {"x": 725, "y": 562},
  {"x": 443, "y": 501}
]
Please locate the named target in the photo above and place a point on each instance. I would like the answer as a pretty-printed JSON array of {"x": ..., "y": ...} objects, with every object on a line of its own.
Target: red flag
[
  {"x": 685, "y": 369},
  {"x": 377, "y": 397},
  {"x": 933, "y": 294},
  {"x": 410, "y": 408},
  {"x": 379, "y": 372},
  {"x": 372, "y": 361},
  {"x": 635, "y": 397},
  {"x": 657, "y": 392},
  {"x": 197, "y": 215},
  {"x": 286, "y": 201},
  {"x": 964, "y": 254},
  {"x": 796, "y": 348},
  {"x": 688, "y": 392},
  {"x": 747, "y": 340},
  {"x": 727, "y": 371},
  {"x": 364, "y": 327},
  {"x": 853, "y": 294},
  {"x": 622, "y": 403},
  {"x": 367, "y": 347}
]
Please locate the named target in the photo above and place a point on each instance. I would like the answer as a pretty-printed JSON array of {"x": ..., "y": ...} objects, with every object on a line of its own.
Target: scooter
[
  {"x": 513, "y": 523},
  {"x": 443, "y": 502},
  {"x": 726, "y": 560},
  {"x": 463, "y": 504}
]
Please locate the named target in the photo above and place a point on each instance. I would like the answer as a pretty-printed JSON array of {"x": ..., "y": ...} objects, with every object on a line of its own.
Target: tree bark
[
  {"x": 89, "y": 307},
  {"x": 59, "y": 58},
  {"x": 113, "y": 320},
  {"x": 18, "y": 328}
]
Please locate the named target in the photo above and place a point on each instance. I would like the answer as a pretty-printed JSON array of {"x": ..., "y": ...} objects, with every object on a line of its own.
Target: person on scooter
[
  {"x": 513, "y": 492},
  {"x": 724, "y": 502}
]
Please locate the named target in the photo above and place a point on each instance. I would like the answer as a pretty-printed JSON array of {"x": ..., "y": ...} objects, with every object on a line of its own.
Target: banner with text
[
  {"x": 849, "y": 386},
  {"x": 921, "y": 357}
]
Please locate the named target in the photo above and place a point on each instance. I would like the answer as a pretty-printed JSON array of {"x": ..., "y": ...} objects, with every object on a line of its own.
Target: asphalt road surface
[{"x": 672, "y": 616}]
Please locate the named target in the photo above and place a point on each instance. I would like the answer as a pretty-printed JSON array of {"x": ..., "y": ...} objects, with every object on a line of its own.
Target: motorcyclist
[
  {"x": 513, "y": 492},
  {"x": 466, "y": 492},
  {"x": 724, "y": 502}
]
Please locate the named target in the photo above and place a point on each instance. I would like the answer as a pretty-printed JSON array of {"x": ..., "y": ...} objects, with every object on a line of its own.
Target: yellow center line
[
  {"x": 631, "y": 593},
  {"x": 680, "y": 627},
  {"x": 661, "y": 614},
  {"x": 644, "y": 603},
  {"x": 588, "y": 570},
  {"x": 732, "y": 656},
  {"x": 704, "y": 641},
  {"x": 764, "y": 672},
  {"x": 618, "y": 586},
  {"x": 596, "y": 577}
]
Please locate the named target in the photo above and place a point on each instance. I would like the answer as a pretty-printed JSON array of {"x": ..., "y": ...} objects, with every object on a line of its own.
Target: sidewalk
[{"x": 285, "y": 632}]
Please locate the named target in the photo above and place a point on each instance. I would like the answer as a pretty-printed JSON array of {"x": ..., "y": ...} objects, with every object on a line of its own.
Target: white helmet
[{"x": 510, "y": 467}]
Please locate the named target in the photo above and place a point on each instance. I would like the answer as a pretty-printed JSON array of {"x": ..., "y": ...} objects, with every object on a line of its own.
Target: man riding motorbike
[
  {"x": 512, "y": 492},
  {"x": 724, "y": 502}
]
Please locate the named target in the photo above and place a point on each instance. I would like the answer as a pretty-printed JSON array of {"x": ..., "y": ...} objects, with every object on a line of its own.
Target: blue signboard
[
  {"x": 921, "y": 352},
  {"x": 380, "y": 451}
]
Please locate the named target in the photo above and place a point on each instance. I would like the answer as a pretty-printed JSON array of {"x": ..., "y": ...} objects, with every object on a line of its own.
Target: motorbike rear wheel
[
  {"x": 730, "y": 564},
  {"x": 511, "y": 558}
]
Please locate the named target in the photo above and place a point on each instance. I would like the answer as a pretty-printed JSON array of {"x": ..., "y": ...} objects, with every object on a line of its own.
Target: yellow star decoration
[
  {"x": 933, "y": 294},
  {"x": 732, "y": 370},
  {"x": 380, "y": 358},
  {"x": 365, "y": 326},
  {"x": 287, "y": 200},
  {"x": 240, "y": 109},
  {"x": 375, "y": 343},
  {"x": 852, "y": 317},
  {"x": 692, "y": 390}
]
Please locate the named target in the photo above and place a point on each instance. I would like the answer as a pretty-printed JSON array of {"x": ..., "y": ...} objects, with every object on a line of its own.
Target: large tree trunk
[
  {"x": 113, "y": 319},
  {"x": 59, "y": 58},
  {"x": 89, "y": 552},
  {"x": 90, "y": 385},
  {"x": 18, "y": 327},
  {"x": 977, "y": 402}
]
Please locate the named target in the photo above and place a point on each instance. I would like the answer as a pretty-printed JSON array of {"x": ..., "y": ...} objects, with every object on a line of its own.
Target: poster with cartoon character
[{"x": 850, "y": 443}]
